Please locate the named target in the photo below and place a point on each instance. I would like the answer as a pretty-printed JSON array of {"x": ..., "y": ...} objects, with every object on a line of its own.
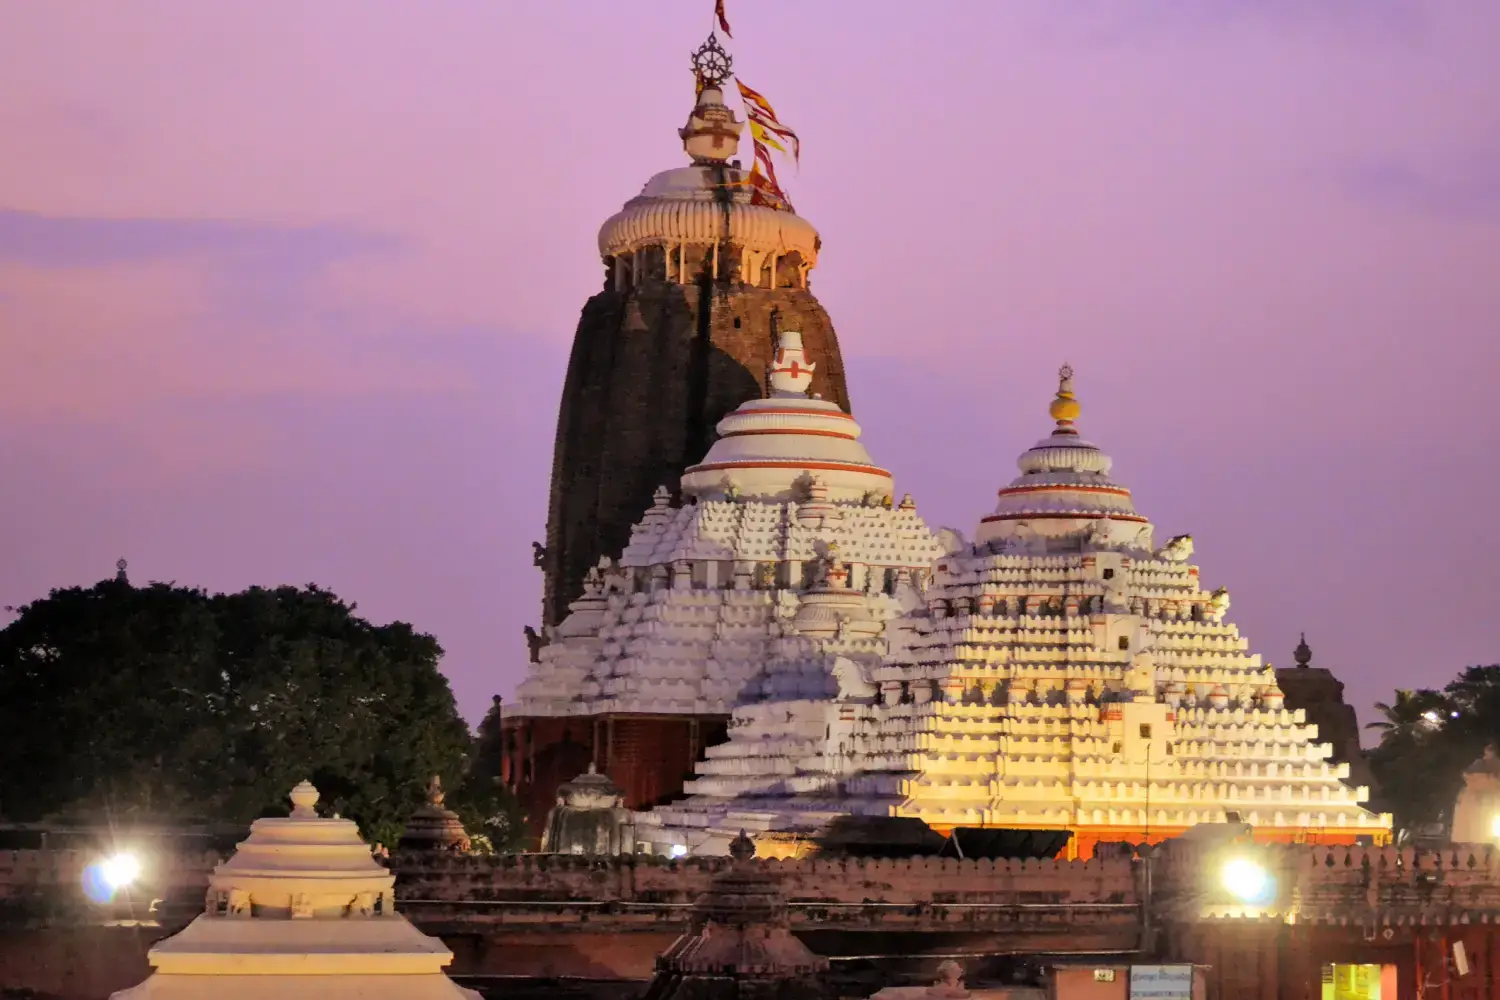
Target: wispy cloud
[
  {"x": 1461, "y": 185},
  {"x": 55, "y": 241}
]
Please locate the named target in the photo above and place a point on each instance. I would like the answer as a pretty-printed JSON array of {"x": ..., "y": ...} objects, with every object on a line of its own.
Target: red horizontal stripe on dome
[
  {"x": 799, "y": 411},
  {"x": 1009, "y": 491},
  {"x": 752, "y": 464},
  {"x": 832, "y": 434},
  {"x": 1081, "y": 516}
]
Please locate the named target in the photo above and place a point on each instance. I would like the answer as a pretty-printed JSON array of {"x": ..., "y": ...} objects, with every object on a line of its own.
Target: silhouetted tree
[
  {"x": 489, "y": 811},
  {"x": 1427, "y": 740},
  {"x": 168, "y": 703}
]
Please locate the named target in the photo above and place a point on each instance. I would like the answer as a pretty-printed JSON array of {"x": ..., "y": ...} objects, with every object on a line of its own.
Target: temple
[
  {"x": 1060, "y": 672},
  {"x": 701, "y": 272},
  {"x": 775, "y": 574},
  {"x": 698, "y": 270}
]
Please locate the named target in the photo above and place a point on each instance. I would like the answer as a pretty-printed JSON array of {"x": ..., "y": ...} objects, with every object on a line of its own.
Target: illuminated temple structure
[
  {"x": 787, "y": 549},
  {"x": 744, "y": 629},
  {"x": 701, "y": 271},
  {"x": 1061, "y": 671}
]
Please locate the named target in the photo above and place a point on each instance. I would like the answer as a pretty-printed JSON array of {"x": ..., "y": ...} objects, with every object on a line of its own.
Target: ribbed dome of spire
[{"x": 708, "y": 201}]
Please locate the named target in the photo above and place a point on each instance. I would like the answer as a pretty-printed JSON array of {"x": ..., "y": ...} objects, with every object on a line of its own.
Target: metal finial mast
[
  {"x": 1065, "y": 372},
  {"x": 711, "y": 64},
  {"x": 120, "y": 571}
]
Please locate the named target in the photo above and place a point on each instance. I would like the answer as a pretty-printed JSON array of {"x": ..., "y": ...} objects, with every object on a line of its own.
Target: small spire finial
[
  {"x": 1065, "y": 408},
  {"x": 742, "y": 848},
  {"x": 435, "y": 794},
  {"x": 304, "y": 797},
  {"x": 790, "y": 373},
  {"x": 1303, "y": 653},
  {"x": 120, "y": 566}
]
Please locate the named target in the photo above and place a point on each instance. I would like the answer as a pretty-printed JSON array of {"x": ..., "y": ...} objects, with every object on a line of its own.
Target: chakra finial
[
  {"x": 1303, "y": 653},
  {"x": 120, "y": 571},
  {"x": 711, "y": 64},
  {"x": 1065, "y": 408}
]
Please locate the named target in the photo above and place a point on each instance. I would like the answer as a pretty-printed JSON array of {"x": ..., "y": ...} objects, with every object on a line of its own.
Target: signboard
[{"x": 1161, "y": 982}]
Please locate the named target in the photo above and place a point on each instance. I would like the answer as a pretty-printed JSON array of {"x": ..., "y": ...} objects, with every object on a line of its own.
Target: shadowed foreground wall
[{"x": 540, "y": 916}]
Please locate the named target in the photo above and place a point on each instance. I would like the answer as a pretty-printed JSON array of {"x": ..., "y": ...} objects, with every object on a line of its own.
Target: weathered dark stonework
[
  {"x": 1318, "y": 693},
  {"x": 654, "y": 368}
]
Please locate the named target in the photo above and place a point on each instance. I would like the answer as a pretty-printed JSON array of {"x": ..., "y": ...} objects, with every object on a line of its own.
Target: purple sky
[{"x": 286, "y": 288}]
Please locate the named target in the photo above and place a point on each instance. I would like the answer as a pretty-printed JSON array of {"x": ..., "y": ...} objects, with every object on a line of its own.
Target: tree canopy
[
  {"x": 1427, "y": 739},
  {"x": 170, "y": 704}
]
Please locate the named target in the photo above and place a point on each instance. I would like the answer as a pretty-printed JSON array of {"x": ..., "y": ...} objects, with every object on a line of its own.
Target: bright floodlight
[
  {"x": 120, "y": 870},
  {"x": 678, "y": 850},
  {"x": 1245, "y": 880},
  {"x": 1495, "y": 825}
]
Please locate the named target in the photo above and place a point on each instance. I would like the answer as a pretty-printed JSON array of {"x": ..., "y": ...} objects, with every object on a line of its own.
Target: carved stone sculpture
[{"x": 1179, "y": 548}]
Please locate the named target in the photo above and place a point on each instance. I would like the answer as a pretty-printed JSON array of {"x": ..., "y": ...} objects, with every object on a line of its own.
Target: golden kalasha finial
[{"x": 1065, "y": 408}]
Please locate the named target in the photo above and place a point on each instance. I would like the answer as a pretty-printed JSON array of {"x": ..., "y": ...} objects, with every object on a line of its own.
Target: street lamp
[
  {"x": 1246, "y": 880},
  {"x": 102, "y": 879}
]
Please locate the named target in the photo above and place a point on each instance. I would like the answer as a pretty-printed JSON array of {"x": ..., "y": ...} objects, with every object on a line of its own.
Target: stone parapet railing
[
  {"x": 1358, "y": 885},
  {"x": 1346, "y": 885}
]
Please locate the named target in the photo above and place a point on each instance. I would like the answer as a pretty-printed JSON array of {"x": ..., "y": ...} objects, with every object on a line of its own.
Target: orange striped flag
[
  {"x": 763, "y": 117},
  {"x": 723, "y": 21}
]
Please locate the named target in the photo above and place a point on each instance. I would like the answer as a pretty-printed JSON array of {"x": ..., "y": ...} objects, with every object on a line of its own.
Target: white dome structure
[
  {"x": 788, "y": 446},
  {"x": 302, "y": 909}
]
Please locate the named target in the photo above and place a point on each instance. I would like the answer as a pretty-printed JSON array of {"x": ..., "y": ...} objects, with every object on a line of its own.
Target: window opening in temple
[
  {"x": 736, "y": 322},
  {"x": 1145, "y": 730},
  {"x": 1124, "y": 642},
  {"x": 1109, "y": 574}
]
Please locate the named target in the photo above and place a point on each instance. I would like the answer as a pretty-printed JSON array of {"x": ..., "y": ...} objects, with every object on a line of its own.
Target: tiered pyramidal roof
[
  {"x": 1059, "y": 672},
  {"x": 787, "y": 549},
  {"x": 301, "y": 910}
]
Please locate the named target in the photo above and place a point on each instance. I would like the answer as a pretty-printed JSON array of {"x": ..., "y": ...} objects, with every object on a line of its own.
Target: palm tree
[{"x": 1411, "y": 712}]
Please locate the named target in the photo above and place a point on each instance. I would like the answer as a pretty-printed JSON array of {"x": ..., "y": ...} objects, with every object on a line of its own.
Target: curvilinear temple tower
[
  {"x": 702, "y": 269},
  {"x": 699, "y": 272}
]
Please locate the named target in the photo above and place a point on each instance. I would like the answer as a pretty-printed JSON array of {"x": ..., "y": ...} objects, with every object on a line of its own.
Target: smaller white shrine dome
[
  {"x": 779, "y": 446},
  {"x": 1064, "y": 487},
  {"x": 302, "y": 909}
]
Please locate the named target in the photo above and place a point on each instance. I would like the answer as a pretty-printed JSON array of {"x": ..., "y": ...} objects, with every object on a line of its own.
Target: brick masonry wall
[{"x": 649, "y": 758}]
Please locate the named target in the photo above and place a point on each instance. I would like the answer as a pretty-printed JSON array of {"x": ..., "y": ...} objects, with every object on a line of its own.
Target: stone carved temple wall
[{"x": 786, "y": 547}]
